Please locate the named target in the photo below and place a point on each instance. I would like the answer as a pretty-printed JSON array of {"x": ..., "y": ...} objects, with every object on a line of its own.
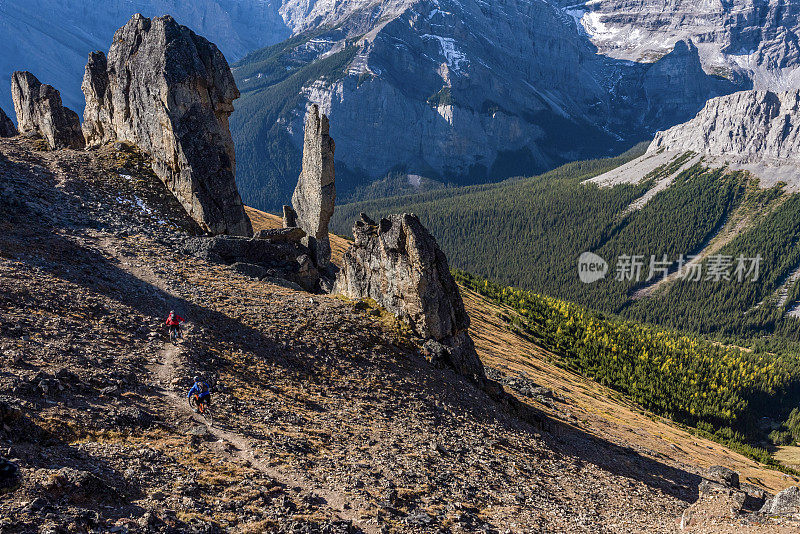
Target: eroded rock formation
[
  {"x": 39, "y": 109},
  {"x": 398, "y": 263},
  {"x": 170, "y": 91},
  {"x": 314, "y": 197},
  {"x": 7, "y": 128}
]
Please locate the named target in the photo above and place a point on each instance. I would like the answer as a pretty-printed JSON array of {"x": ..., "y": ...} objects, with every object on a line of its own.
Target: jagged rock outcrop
[
  {"x": 7, "y": 128},
  {"x": 744, "y": 127},
  {"x": 785, "y": 503},
  {"x": 314, "y": 197},
  {"x": 397, "y": 263},
  {"x": 170, "y": 91},
  {"x": 39, "y": 109}
]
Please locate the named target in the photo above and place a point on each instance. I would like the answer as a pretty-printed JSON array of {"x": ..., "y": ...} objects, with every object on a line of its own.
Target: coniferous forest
[{"x": 715, "y": 350}]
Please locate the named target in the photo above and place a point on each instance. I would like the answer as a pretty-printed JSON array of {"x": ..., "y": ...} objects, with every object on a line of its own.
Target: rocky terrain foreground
[{"x": 327, "y": 417}]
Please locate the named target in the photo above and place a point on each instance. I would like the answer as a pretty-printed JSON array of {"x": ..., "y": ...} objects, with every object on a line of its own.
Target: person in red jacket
[{"x": 173, "y": 323}]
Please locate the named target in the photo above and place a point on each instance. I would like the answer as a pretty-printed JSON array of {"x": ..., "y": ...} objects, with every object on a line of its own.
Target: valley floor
[{"x": 328, "y": 419}]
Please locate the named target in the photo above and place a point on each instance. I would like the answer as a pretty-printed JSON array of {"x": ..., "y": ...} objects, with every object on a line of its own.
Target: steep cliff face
[
  {"x": 170, "y": 92},
  {"x": 756, "y": 40},
  {"x": 745, "y": 127}
]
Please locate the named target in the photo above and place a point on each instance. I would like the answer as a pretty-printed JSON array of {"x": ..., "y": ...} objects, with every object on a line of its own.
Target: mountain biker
[
  {"x": 201, "y": 393},
  {"x": 173, "y": 323}
]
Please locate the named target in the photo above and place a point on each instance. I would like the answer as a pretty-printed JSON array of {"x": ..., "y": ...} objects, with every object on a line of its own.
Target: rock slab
[
  {"x": 40, "y": 110},
  {"x": 398, "y": 263},
  {"x": 170, "y": 91},
  {"x": 280, "y": 235},
  {"x": 314, "y": 197},
  {"x": 7, "y": 128},
  {"x": 259, "y": 258}
]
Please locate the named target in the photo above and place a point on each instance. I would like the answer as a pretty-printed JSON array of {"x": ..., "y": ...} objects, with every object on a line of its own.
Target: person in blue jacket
[{"x": 201, "y": 393}]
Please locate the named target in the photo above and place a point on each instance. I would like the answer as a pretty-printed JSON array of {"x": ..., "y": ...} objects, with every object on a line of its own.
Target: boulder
[
  {"x": 397, "y": 263},
  {"x": 280, "y": 235},
  {"x": 170, "y": 91},
  {"x": 39, "y": 110},
  {"x": 314, "y": 197},
  {"x": 724, "y": 475},
  {"x": 785, "y": 503},
  {"x": 7, "y": 128}
]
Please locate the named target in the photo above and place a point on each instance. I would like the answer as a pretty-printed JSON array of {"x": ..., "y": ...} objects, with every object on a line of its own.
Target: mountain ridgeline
[{"x": 440, "y": 91}]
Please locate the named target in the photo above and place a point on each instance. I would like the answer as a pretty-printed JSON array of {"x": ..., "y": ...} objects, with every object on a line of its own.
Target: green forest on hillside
[
  {"x": 724, "y": 392},
  {"x": 529, "y": 233}
]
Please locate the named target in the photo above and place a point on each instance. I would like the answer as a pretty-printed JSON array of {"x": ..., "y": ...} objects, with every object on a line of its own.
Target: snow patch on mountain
[{"x": 454, "y": 57}]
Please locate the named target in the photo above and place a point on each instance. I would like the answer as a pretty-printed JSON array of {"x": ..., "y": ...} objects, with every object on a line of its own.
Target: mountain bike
[
  {"x": 203, "y": 408},
  {"x": 175, "y": 334}
]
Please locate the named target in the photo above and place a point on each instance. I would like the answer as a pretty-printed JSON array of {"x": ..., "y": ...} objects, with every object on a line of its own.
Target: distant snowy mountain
[
  {"x": 52, "y": 38},
  {"x": 752, "y": 39}
]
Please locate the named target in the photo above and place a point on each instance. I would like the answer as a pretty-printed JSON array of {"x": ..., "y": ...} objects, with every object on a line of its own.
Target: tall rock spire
[{"x": 315, "y": 194}]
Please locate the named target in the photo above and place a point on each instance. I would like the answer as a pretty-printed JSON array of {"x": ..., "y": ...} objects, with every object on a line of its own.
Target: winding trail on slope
[
  {"x": 165, "y": 370},
  {"x": 167, "y": 367}
]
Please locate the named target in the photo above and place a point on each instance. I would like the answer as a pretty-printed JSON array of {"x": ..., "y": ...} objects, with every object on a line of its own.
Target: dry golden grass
[
  {"x": 601, "y": 411},
  {"x": 262, "y": 221},
  {"x": 789, "y": 455}
]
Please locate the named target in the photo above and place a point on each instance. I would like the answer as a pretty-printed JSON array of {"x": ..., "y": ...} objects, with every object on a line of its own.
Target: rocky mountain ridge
[
  {"x": 745, "y": 127},
  {"x": 471, "y": 108},
  {"x": 754, "y": 131},
  {"x": 739, "y": 39}
]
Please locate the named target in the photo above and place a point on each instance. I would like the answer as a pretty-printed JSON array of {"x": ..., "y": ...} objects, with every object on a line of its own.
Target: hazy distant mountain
[{"x": 52, "y": 38}]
